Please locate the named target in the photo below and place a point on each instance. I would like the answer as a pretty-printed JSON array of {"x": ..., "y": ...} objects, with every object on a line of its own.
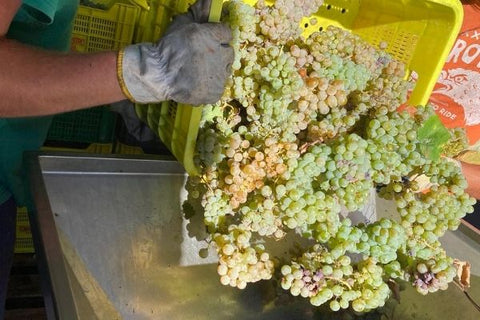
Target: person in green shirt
[{"x": 39, "y": 78}]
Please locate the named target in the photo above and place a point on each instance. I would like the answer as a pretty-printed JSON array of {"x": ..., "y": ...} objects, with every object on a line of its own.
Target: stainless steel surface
[
  {"x": 123, "y": 219},
  {"x": 58, "y": 296}
]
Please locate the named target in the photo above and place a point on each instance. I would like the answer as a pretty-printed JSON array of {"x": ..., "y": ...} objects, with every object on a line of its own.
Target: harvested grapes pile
[{"x": 308, "y": 127}]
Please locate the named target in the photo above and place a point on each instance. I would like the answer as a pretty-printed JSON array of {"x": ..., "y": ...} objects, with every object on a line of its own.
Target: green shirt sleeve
[
  {"x": 40, "y": 11},
  {"x": 46, "y": 24}
]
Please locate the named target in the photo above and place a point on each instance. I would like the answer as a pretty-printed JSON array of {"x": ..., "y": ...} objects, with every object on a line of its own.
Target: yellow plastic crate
[
  {"x": 23, "y": 224},
  {"x": 23, "y": 240},
  {"x": 176, "y": 124},
  {"x": 99, "y": 148},
  {"x": 419, "y": 33},
  {"x": 121, "y": 148},
  {"x": 153, "y": 22},
  {"x": 100, "y": 30},
  {"x": 24, "y": 245}
]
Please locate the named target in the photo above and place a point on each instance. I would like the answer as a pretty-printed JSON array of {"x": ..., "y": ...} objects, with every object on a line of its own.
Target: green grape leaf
[{"x": 433, "y": 135}]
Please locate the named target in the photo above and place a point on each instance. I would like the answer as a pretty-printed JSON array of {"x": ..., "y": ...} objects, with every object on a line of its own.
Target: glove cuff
[
  {"x": 140, "y": 74},
  {"x": 121, "y": 80}
]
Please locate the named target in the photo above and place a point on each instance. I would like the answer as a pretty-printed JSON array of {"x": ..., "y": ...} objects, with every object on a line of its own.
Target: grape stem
[
  {"x": 472, "y": 301},
  {"x": 340, "y": 281},
  {"x": 232, "y": 108},
  {"x": 206, "y": 183},
  {"x": 476, "y": 305},
  {"x": 414, "y": 176},
  {"x": 307, "y": 145},
  {"x": 395, "y": 289},
  {"x": 424, "y": 242},
  {"x": 232, "y": 112}
]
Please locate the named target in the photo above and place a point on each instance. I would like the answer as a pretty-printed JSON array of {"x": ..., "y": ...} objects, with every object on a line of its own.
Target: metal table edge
[{"x": 58, "y": 297}]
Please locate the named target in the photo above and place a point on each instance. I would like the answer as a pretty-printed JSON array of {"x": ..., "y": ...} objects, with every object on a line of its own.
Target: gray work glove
[{"x": 189, "y": 64}]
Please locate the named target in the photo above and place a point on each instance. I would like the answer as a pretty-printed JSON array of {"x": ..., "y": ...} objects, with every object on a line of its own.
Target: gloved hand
[{"x": 189, "y": 64}]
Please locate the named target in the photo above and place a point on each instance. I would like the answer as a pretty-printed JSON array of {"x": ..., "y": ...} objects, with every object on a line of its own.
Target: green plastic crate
[
  {"x": 109, "y": 25},
  {"x": 94, "y": 125}
]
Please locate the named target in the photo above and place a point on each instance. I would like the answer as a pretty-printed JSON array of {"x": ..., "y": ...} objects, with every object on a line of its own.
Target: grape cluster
[
  {"x": 426, "y": 214},
  {"x": 348, "y": 171},
  {"x": 239, "y": 262},
  {"x": 382, "y": 240},
  {"x": 433, "y": 274},
  {"x": 392, "y": 145},
  {"x": 307, "y": 127},
  {"x": 247, "y": 165},
  {"x": 324, "y": 277},
  {"x": 281, "y": 21},
  {"x": 210, "y": 147},
  {"x": 216, "y": 209},
  {"x": 262, "y": 215}
]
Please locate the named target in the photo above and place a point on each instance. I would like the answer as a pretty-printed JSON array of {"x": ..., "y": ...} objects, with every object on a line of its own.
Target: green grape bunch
[{"x": 306, "y": 128}]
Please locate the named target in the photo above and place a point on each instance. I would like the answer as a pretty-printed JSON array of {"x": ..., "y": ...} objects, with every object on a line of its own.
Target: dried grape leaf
[{"x": 463, "y": 273}]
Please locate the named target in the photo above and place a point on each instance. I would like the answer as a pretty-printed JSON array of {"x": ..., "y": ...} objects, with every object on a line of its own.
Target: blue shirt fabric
[{"x": 46, "y": 24}]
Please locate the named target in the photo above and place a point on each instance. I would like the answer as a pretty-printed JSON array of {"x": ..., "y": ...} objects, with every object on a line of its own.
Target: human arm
[
  {"x": 472, "y": 174},
  {"x": 34, "y": 81},
  {"x": 39, "y": 82}
]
